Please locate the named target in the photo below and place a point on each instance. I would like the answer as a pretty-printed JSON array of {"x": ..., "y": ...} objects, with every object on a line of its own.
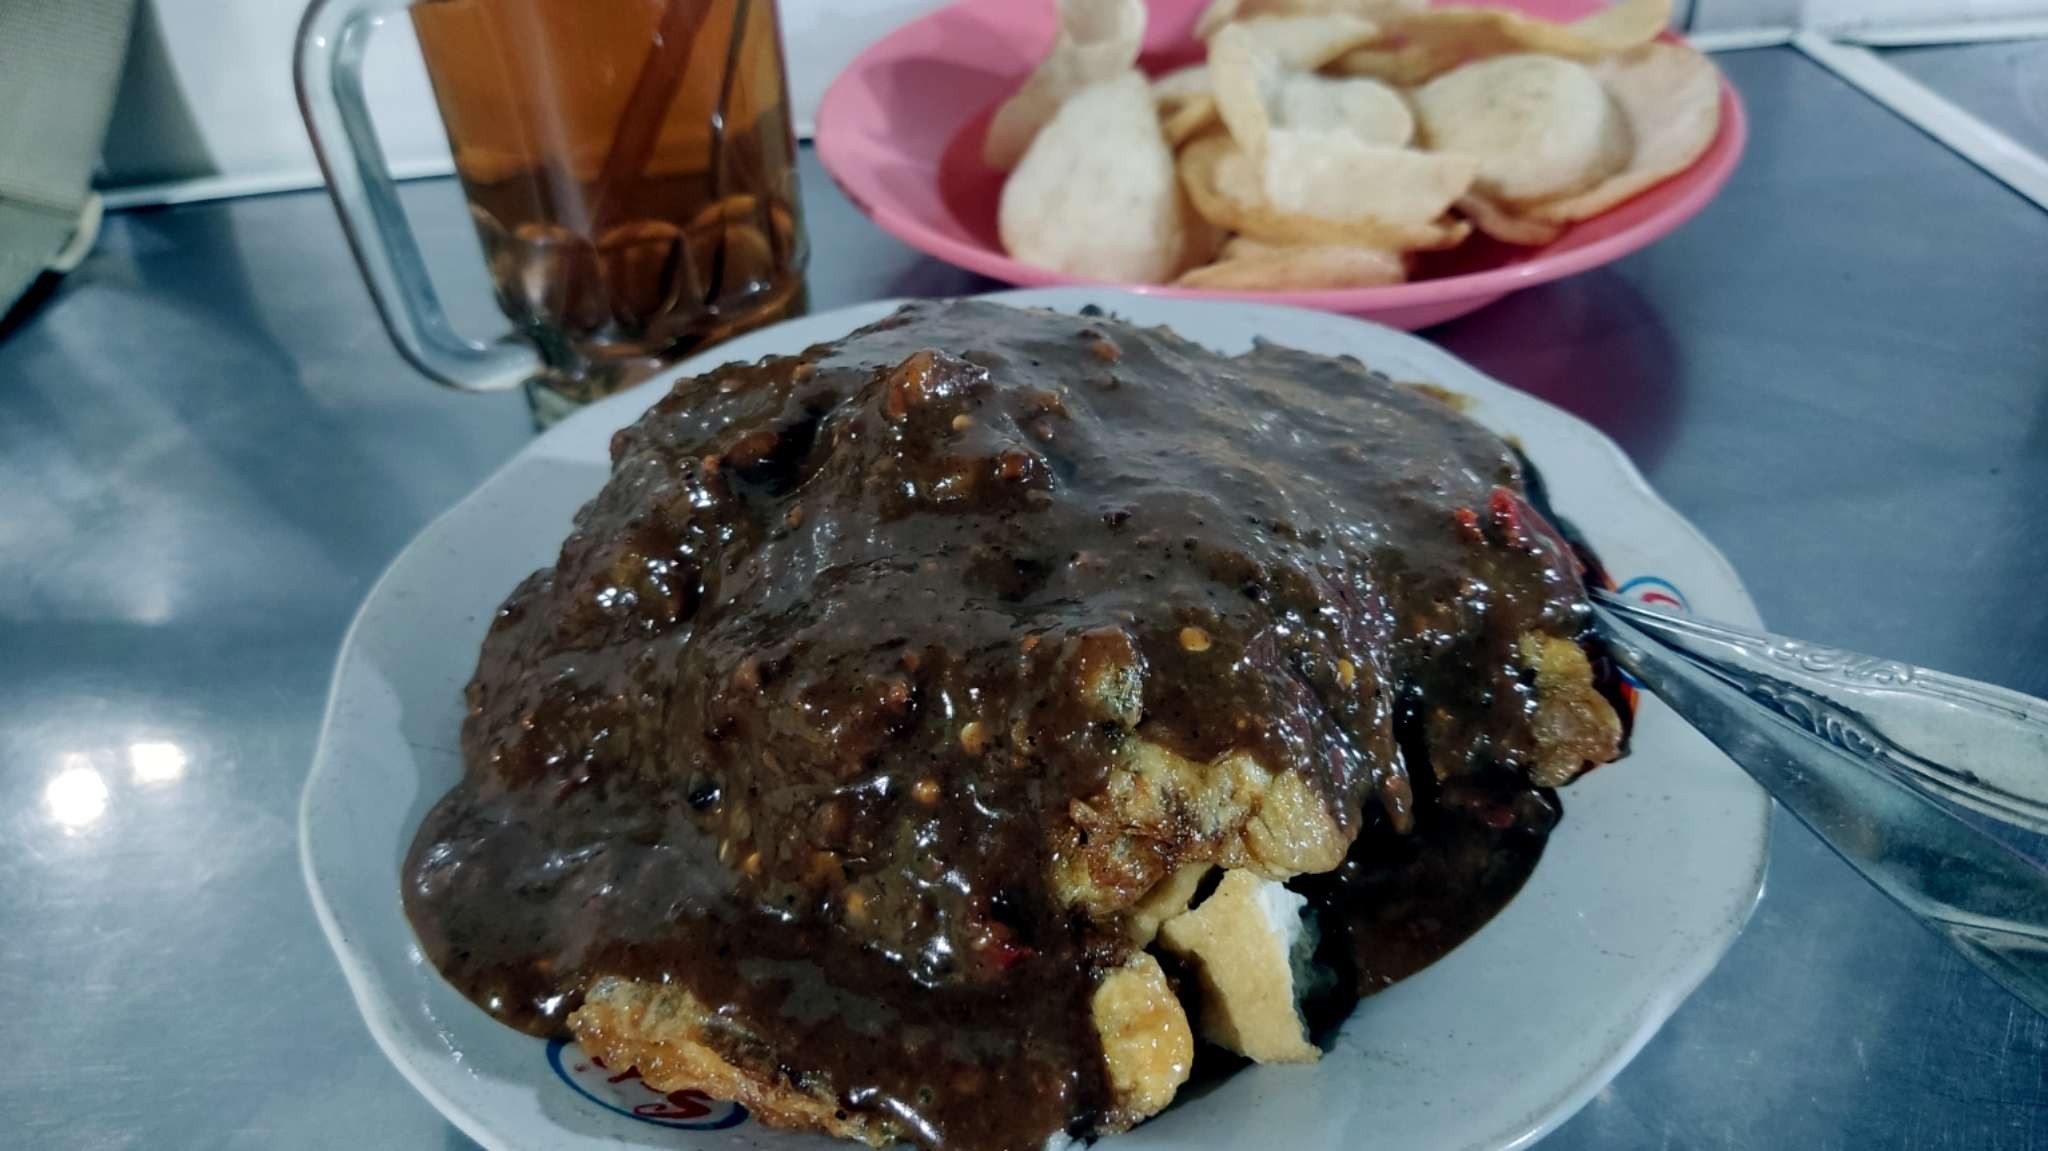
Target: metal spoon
[{"x": 1877, "y": 757}]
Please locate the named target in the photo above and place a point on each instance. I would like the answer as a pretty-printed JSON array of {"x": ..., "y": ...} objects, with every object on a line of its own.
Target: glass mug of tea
[{"x": 629, "y": 165}]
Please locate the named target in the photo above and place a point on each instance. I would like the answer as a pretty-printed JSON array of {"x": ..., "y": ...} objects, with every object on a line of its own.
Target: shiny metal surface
[
  {"x": 208, "y": 450},
  {"x": 2005, "y": 85}
]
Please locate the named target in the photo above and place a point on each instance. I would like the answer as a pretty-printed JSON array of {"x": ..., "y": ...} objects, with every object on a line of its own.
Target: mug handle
[{"x": 328, "y": 66}]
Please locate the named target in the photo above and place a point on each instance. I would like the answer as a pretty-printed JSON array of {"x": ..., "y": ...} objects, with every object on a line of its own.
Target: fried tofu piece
[
  {"x": 1574, "y": 725},
  {"x": 1146, "y": 1042},
  {"x": 1242, "y": 942},
  {"x": 1170, "y": 898},
  {"x": 677, "y": 1042},
  {"x": 1160, "y": 812}
]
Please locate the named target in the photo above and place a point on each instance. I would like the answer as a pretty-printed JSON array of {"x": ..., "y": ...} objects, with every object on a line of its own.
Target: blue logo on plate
[{"x": 1656, "y": 592}]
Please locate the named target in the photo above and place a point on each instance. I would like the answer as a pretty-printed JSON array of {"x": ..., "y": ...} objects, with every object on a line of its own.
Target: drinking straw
[
  {"x": 639, "y": 125},
  {"x": 716, "y": 281}
]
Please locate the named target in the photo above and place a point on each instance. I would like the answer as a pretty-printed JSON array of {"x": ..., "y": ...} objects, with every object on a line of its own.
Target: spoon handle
[
  {"x": 1870, "y": 754},
  {"x": 1968, "y": 743}
]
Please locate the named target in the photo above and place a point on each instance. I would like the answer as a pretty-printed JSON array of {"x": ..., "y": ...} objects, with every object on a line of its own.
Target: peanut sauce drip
[{"x": 789, "y": 723}]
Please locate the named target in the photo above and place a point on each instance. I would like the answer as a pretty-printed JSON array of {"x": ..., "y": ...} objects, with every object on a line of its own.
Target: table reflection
[
  {"x": 156, "y": 761},
  {"x": 77, "y": 795}
]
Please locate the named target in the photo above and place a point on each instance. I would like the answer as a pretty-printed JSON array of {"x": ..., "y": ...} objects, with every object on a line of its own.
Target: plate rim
[
  {"x": 377, "y": 1008},
  {"x": 1710, "y": 174}
]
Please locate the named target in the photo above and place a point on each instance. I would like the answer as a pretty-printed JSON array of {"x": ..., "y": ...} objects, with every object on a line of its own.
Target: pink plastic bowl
[{"x": 900, "y": 131}]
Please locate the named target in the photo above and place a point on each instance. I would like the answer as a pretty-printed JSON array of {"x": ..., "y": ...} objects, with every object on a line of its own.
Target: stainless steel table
[{"x": 208, "y": 451}]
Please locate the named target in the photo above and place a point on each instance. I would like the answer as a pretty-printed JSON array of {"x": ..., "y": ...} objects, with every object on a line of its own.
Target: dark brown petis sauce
[
  {"x": 788, "y": 721},
  {"x": 1398, "y": 903}
]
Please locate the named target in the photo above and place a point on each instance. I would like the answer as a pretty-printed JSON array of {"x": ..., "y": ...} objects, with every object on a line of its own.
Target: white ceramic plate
[{"x": 1649, "y": 879}]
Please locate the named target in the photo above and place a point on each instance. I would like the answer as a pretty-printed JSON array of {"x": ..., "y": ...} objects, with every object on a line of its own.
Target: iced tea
[{"x": 630, "y": 168}]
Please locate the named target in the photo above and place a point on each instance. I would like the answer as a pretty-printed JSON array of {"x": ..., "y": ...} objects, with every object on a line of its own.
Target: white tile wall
[
  {"x": 1849, "y": 15},
  {"x": 209, "y": 87}
]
